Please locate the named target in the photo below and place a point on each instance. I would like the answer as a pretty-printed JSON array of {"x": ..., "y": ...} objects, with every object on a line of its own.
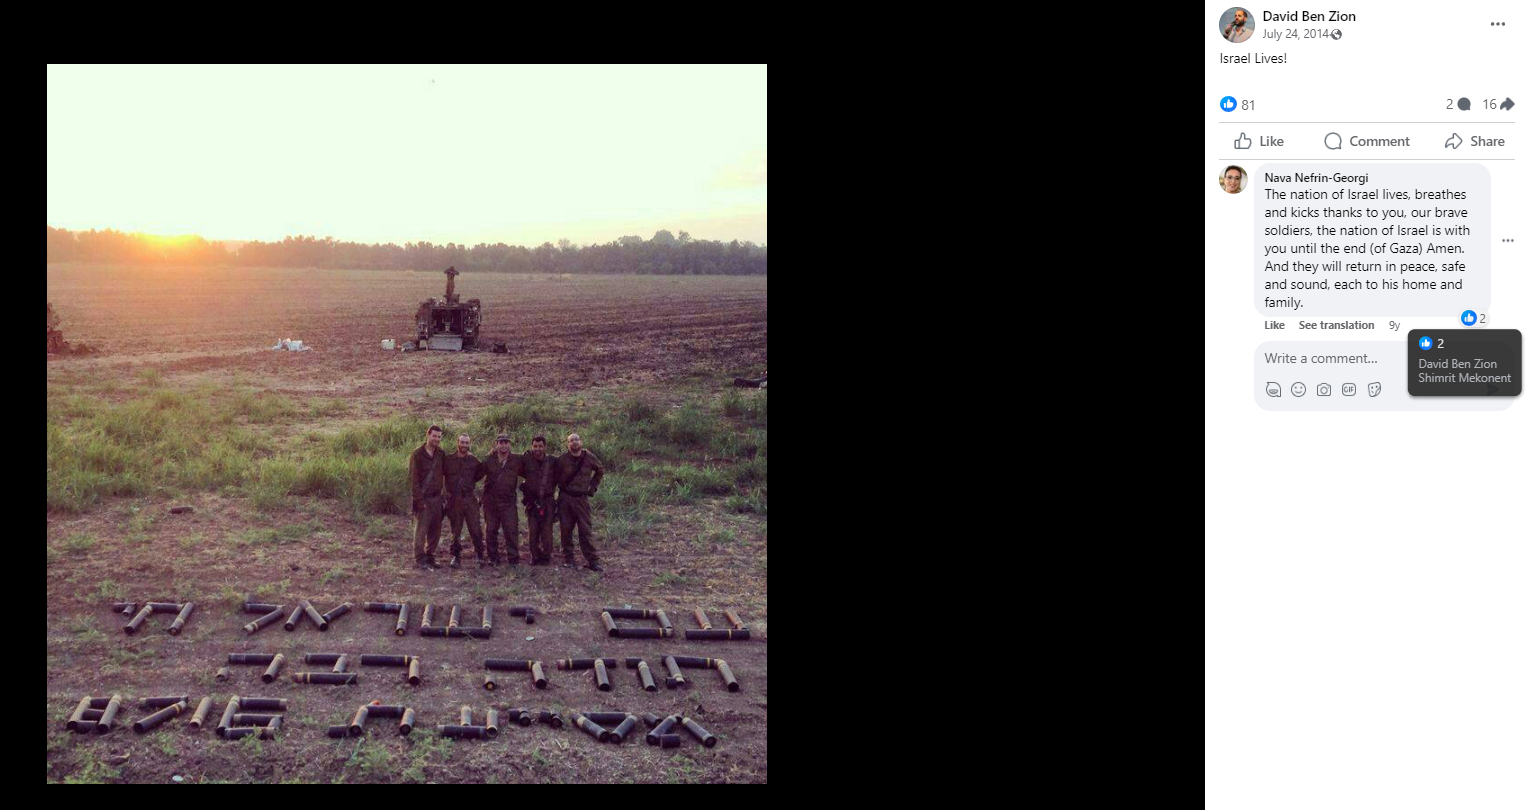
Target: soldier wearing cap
[
  {"x": 502, "y": 469},
  {"x": 462, "y": 472},
  {"x": 578, "y": 474},
  {"x": 540, "y": 507},
  {"x": 426, "y": 479}
]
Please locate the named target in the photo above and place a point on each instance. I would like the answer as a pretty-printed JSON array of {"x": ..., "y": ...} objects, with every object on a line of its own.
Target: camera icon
[{"x": 1323, "y": 389}]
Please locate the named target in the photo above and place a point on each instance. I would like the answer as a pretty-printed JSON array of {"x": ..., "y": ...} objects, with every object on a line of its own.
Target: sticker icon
[
  {"x": 1273, "y": 390},
  {"x": 1373, "y": 389},
  {"x": 1323, "y": 389}
]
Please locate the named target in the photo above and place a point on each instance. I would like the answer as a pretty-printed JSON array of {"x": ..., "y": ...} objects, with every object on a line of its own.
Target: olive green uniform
[
  {"x": 461, "y": 476},
  {"x": 498, "y": 504},
  {"x": 426, "y": 480},
  {"x": 540, "y": 506},
  {"x": 576, "y": 483}
]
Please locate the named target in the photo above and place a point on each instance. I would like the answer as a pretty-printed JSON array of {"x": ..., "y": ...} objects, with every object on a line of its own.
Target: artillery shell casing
[
  {"x": 315, "y": 616},
  {"x": 402, "y": 621},
  {"x": 691, "y": 661},
  {"x": 699, "y": 733},
  {"x": 606, "y": 718},
  {"x": 331, "y": 678},
  {"x": 382, "y": 607},
  {"x": 224, "y": 673},
  {"x": 609, "y": 623},
  {"x": 490, "y": 683},
  {"x": 384, "y": 660},
  {"x": 474, "y": 632},
  {"x": 338, "y": 731},
  {"x": 671, "y": 682},
  {"x": 601, "y": 675},
  {"x": 670, "y": 741},
  {"x": 731, "y": 680},
  {"x": 265, "y": 621},
  {"x": 618, "y": 734},
  {"x": 78, "y": 713},
  {"x": 341, "y": 664},
  {"x": 144, "y": 704},
  {"x": 651, "y": 720},
  {"x": 227, "y": 720},
  {"x": 240, "y": 733},
  {"x": 137, "y": 621},
  {"x": 466, "y": 715},
  {"x": 716, "y": 635},
  {"x": 662, "y": 621},
  {"x": 179, "y": 623},
  {"x": 736, "y": 621},
  {"x": 269, "y": 675},
  {"x": 629, "y": 613},
  {"x": 124, "y": 608},
  {"x": 260, "y": 704},
  {"x": 386, "y": 711},
  {"x": 413, "y": 672},
  {"x": 492, "y": 723},
  {"x": 551, "y": 719},
  {"x": 583, "y": 663},
  {"x": 704, "y": 621},
  {"x": 172, "y": 710},
  {"x": 100, "y": 702},
  {"x": 109, "y": 715},
  {"x": 406, "y": 724},
  {"x": 429, "y": 632},
  {"x": 509, "y": 664},
  {"x": 469, "y": 732},
  {"x": 164, "y": 607},
  {"x": 455, "y": 620},
  {"x": 86, "y": 722},
  {"x": 253, "y": 719},
  {"x": 594, "y": 730},
  {"x": 655, "y": 735},
  {"x": 261, "y": 607},
  {"x": 321, "y": 658},
  {"x": 251, "y": 658},
  {"x": 632, "y": 661},
  {"x": 537, "y": 675},
  {"x": 638, "y": 632},
  {"x": 428, "y": 616},
  {"x": 646, "y": 677},
  {"x": 675, "y": 675},
  {"x": 487, "y": 617},
  {"x": 269, "y": 732},
  {"x": 202, "y": 709},
  {"x": 334, "y": 614},
  {"x": 295, "y": 618},
  {"x": 358, "y": 723},
  {"x": 520, "y": 716}
]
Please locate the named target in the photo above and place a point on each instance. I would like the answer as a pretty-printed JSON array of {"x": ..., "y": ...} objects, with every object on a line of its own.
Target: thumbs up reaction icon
[
  {"x": 1425, "y": 344},
  {"x": 1242, "y": 142}
]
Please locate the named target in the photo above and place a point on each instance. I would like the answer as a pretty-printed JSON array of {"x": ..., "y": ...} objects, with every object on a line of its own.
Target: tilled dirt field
[{"x": 564, "y": 335}]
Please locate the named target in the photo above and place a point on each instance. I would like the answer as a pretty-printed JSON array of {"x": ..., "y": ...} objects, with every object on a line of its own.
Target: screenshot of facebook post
[{"x": 1365, "y": 451}]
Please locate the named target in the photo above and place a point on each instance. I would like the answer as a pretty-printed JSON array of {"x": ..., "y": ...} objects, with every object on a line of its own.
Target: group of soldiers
[{"x": 554, "y": 488}]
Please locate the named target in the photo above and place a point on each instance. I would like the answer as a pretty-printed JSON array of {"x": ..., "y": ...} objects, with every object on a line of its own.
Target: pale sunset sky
[{"x": 521, "y": 155}]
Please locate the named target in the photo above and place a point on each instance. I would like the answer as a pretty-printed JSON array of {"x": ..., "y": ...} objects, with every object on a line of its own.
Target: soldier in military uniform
[
  {"x": 503, "y": 470},
  {"x": 462, "y": 472},
  {"x": 540, "y": 507},
  {"x": 426, "y": 479},
  {"x": 578, "y": 474}
]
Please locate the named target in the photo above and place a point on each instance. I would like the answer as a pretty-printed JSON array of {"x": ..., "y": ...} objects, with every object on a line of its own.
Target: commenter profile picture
[
  {"x": 1237, "y": 24},
  {"x": 1232, "y": 179}
]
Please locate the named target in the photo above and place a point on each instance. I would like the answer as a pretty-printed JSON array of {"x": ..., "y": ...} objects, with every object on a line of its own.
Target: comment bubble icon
[{"x": 1273, "y": 390}]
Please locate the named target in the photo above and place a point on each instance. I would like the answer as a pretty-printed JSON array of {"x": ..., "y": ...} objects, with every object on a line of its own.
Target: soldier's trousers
[
  {"x": 502, "y": 515},
  {"x": 426, "y": 528},
  {"x": 575, "y": 513},
  {"x": 540, "y": 531},
  {"x": 464, "y": 510}
]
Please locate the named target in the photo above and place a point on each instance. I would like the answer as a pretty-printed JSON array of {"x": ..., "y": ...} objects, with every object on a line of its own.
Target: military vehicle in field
[{"x": 449, "y": 325}]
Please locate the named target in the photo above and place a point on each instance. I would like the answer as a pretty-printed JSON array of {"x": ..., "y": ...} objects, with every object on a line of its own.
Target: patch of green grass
[
  {"x": 191, "y": 541},
  {"x": 91, "y": 770},
  {"x": 668, "y": 578},
  {"x": 425, "y": 745},
  {"x": 333, "y": 575},
  {"x": 282, "y": 534},
  {"x": 110, "y": 590},
  {"x": 79, "y": 543}
]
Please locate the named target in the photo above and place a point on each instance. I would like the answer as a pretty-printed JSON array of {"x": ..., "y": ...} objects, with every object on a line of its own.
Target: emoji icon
[{"x": 1298, "y": 389}]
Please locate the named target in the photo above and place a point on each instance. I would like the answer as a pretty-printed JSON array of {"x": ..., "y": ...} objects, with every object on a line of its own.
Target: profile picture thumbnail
[
  {"x": 1237, "y": 24},
  {"x": 1232, "y": 179}
]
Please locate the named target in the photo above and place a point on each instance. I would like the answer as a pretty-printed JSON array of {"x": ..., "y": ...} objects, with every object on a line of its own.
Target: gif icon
[
  {"x": 1323, "y": 390},
  {"x": 1348, "y": 389}
]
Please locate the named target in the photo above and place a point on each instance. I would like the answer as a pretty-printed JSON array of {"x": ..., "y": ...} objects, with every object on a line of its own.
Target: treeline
[{"x": 663, "y": 254}]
